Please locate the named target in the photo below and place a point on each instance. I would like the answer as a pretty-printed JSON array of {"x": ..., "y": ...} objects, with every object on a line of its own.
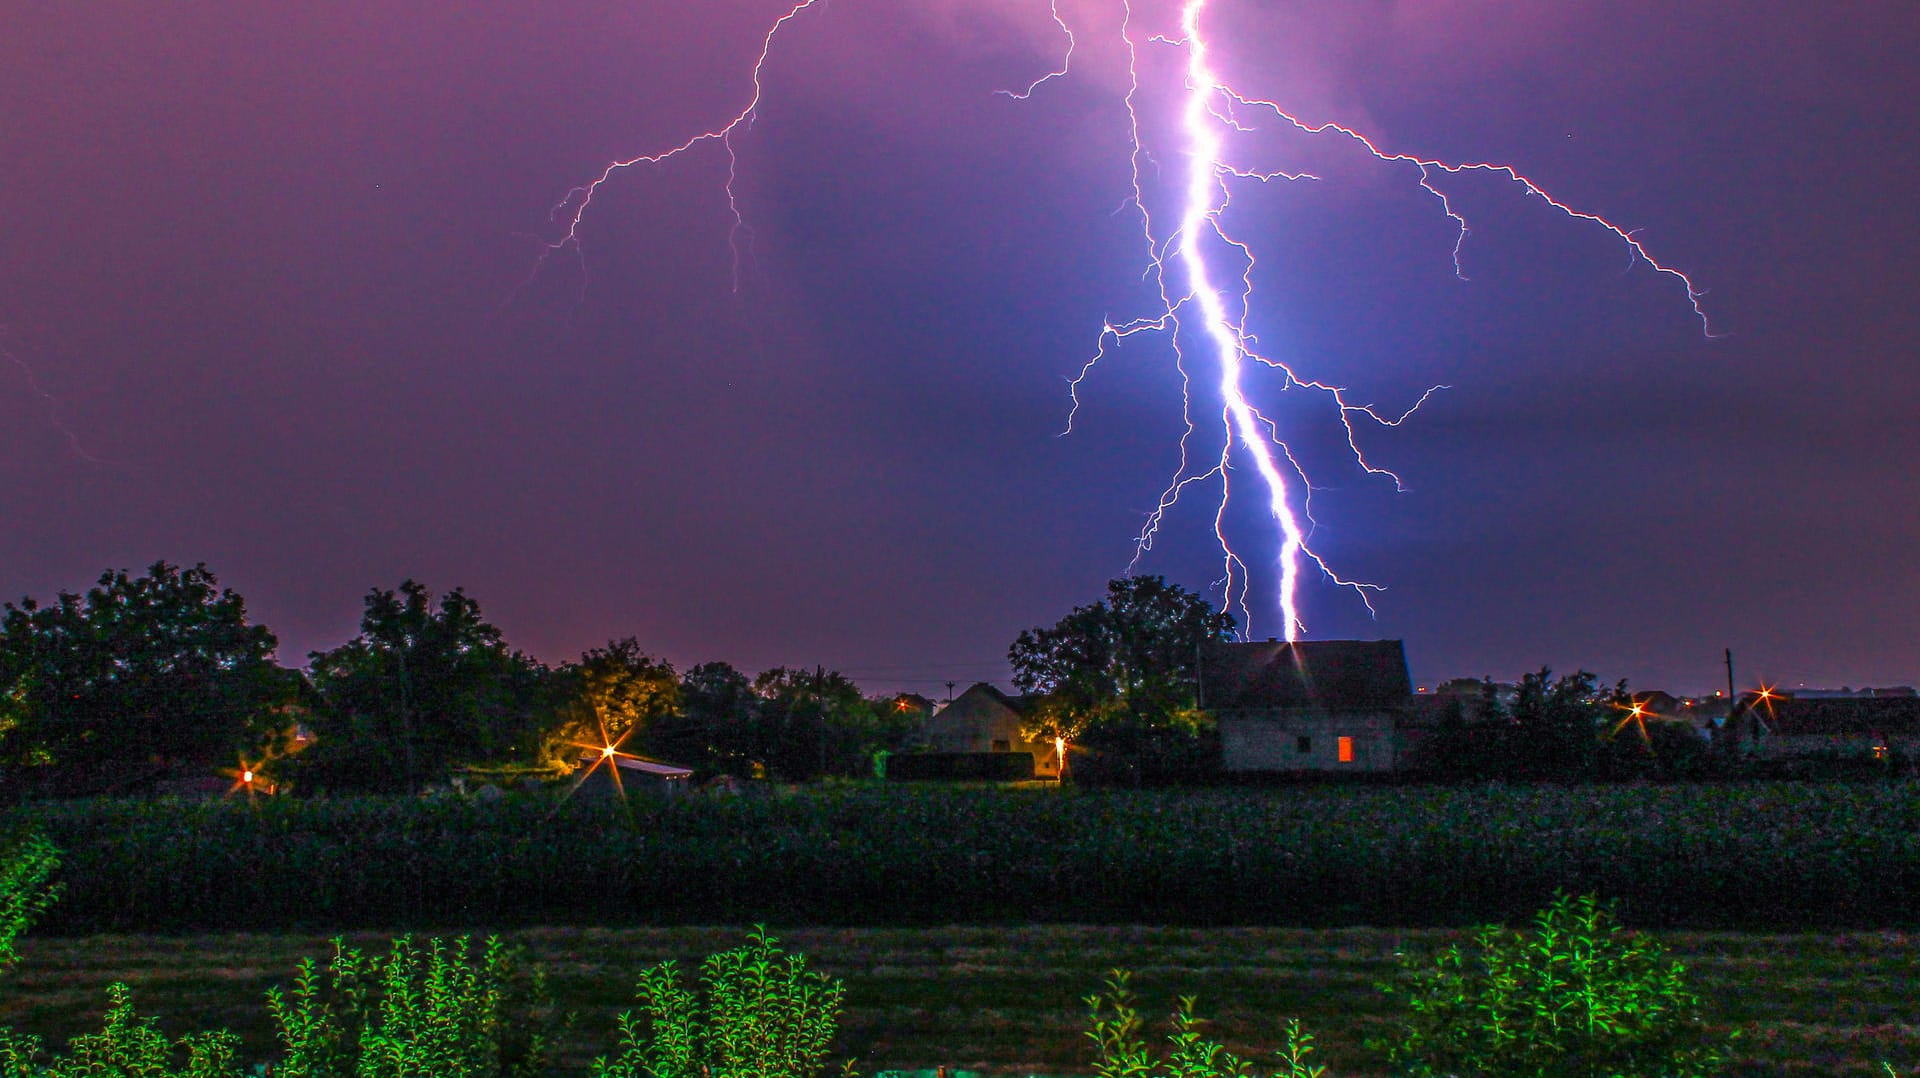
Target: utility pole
[
  {"x": 1199, "y": 676},
  {"x": 950, "y": 686},
  {"x": 1729, "y": 677}
]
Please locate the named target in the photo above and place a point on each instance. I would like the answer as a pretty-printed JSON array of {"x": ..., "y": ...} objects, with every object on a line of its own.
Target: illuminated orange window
[{"x": 1346, "y": 750}]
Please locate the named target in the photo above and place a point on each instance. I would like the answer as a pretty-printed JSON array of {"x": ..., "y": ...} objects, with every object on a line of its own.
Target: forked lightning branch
[{"x": 1203, "y": 271}]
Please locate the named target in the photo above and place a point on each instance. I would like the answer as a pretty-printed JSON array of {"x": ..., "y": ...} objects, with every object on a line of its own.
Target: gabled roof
[
  {"x": 1887, "y": 716},
  {"x": 980, "y": 690},
  {"x": 1656, "y": 701},
  {"x": 1332, "y": 674}
]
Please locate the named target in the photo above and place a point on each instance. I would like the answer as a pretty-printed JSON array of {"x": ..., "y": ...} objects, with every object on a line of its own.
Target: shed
[{"x": 633, "y": 774}]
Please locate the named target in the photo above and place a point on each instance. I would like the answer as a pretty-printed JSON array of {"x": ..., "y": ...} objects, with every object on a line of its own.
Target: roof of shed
[{"x": 635, "y": 763}]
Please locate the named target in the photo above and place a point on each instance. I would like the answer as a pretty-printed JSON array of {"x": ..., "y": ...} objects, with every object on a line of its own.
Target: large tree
[
  {"x": 1556, "y": 724},
  {"x": 713, "y": 728},
  {"x": 139, "y": 676},
  {"x": 814, "y": 722},
  {"x": 618, "y": 693},
  {"x": 425, "y": 687},
  {"x": 1121, "y": 667}
]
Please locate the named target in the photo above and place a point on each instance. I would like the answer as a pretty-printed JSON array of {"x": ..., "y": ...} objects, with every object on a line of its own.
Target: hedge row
[{"x": 1763, "y": 856}]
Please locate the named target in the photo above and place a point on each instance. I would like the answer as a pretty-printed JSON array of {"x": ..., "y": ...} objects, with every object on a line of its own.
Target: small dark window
[
  {"x": 1303, "y": 743},
  {"x": 1002, "y": 746}
]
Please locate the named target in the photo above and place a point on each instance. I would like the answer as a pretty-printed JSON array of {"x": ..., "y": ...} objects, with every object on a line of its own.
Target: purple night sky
[{"x": 268, "y": 299}]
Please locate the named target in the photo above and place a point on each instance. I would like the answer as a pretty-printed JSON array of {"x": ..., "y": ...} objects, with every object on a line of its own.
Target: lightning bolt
[
  {"x": 1203, "y": 274},
  {"x": 572, "y": 209},
  {"x": 1205, "y": 253},
  {"x": 49, "y": 402}
]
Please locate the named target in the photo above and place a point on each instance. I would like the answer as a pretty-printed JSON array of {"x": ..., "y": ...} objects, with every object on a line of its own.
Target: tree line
[
  {"x": 1119, "y": 680},
  {"x": 142, "y": 680},
  {"x": 146, "y": 679}
]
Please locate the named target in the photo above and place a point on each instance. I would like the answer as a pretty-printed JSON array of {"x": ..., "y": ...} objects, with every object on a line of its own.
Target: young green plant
[
  {"x": 760, "y": 1014},
  {"x": 1575, "y": 996},
  {"x": 1122, "y": 1051}
]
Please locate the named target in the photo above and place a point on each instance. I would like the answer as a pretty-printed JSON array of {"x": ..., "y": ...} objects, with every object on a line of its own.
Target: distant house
[
  {"x": 909, "y": 705},
  {"x": 1657, "y": 702},
  {"x": 984, "y": 719},
  {"x": 1787, "y": 727},
  {"x": 1323, "y": 705}
]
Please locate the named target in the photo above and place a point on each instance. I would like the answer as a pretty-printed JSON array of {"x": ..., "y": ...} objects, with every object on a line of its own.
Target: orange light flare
[
  {"x": 605, "y": 751},
  {"x": 1637, "y": 715},
  {"x": 247, "y": 777}
]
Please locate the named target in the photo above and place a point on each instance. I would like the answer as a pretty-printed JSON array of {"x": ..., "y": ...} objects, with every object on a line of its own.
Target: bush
[
  {"x": 127, "y": 1046},
  {"x": 762, "y": 1016},
  {"x": 1573, "y": 997},
  {"x": 24, "y": 891},
  {"x": 431, "y": 1013},
  {"x": 1116, "y": 1030}
]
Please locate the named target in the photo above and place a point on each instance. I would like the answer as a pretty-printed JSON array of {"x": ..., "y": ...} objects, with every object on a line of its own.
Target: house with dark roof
[
  {"x": 1319, "y": 705},
  {"x": 1656, "y": 702},
  {"x": 1784, "y": 727},
  {"x": 984, "y": 719}
]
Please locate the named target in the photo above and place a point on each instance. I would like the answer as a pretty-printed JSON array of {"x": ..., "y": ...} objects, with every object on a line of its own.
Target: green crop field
[
  {"x": 1761, "y": 856},
  {"x": 1791, "y": 905},
  {"x": 1008, "y": 1000}
]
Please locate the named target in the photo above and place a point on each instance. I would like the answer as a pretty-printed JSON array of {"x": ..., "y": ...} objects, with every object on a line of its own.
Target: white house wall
[{"x": 1271, "y": 741}]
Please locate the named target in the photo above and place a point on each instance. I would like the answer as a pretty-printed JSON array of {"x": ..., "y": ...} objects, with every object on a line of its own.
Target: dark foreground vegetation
[
  {"x": 1570, "y": 995},
  {"x": 1773, "y": 856},
  {"x": 1010, "y": 1000}
]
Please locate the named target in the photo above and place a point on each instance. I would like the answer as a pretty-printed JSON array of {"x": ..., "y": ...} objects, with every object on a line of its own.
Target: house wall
[{"x": 1269, "y": 740}]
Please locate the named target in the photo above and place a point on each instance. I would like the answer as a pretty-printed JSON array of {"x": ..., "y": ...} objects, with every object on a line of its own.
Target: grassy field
[{"x": 1009, "y": 1000}]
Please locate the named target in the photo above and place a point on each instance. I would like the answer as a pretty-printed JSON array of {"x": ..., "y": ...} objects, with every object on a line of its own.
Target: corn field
[{"x": 1748, "y": 856}]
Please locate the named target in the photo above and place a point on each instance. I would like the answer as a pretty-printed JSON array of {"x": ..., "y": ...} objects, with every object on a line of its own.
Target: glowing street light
[{"x": 1637, "y": 715}]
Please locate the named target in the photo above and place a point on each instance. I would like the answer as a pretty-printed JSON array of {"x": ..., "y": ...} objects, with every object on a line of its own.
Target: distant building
[
  {"x": 1788, "y": 727},
  {"x": 984, "y": 719},
  {"x": 910, "y": 705},
  {"x": 1323, "y": 705},
  {"x": 1801, "y": 692},
  {"x": 630, "y": 775},
  {"x": 1656, "y": 703}
]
